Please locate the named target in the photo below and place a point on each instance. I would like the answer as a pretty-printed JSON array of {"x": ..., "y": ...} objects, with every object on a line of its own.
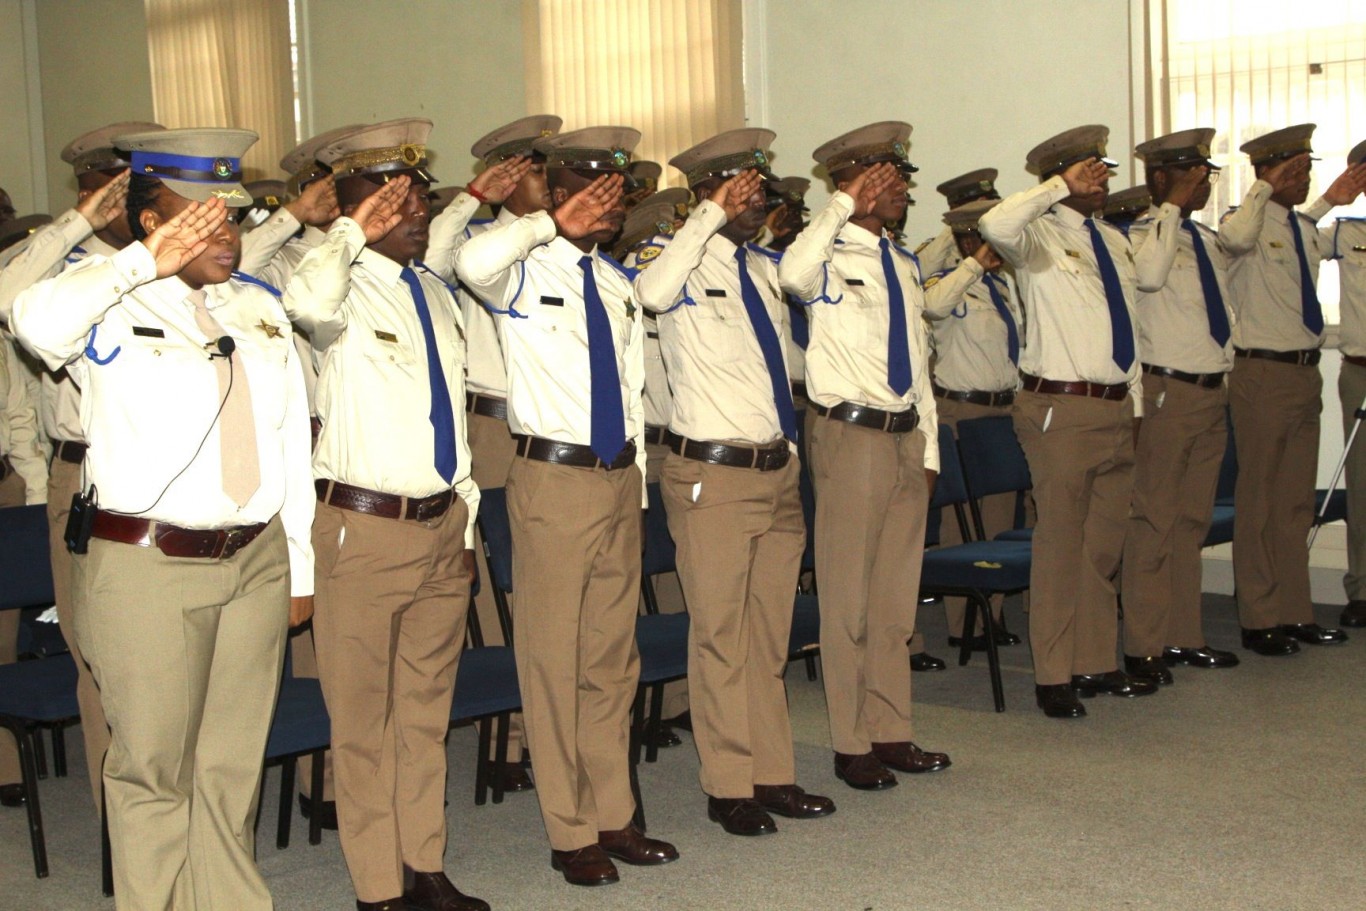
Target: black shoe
[
  {"x": 661, "y": 736},
  {"x": 1005, "y": 636},
  {"x": 327, "y": 811},
  {"x": 682, "y": 721},
  {"x": 1153, "y": 670},
  {"x": 1270, "y": 642},
  {"x": 926, "y": 662},
  {"x": 12, "y": 795},
  {"x": 976, "y": 643},
  {"x": 1059, "y": 700},
  {"x": 435, "y": 892},
  {"x": 1112, "y": 683},
  {"x": 1353, "y": 615},
  {"x": 1204, "y": 656},
  {"x": 515, "y": 777},
  {"x": 1313, "y": 634},
  {"x": 740, "y": 815}
]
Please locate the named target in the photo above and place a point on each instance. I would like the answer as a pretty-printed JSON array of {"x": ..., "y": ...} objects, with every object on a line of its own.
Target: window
[
  {"x": 1246, "y": 67},
  {"x": 670, "y": 68}
]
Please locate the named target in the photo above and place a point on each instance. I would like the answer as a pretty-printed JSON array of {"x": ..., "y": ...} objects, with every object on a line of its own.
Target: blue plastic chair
[
  {"x": 300, "y": 727},
  {"x": 661, "y": 639},
  {"x": 994, "y": 463}
]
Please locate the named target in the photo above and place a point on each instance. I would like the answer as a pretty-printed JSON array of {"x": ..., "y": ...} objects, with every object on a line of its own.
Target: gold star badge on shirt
[
  {"x": 270, "y": 329},
  {"x": 630, "y": 309}
]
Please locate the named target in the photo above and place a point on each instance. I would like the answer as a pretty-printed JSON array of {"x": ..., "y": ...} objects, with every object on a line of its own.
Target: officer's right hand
[
  {"x": 378, "y": 213},
  {"x": 176, "y": 242},
  {"x": 106, "y": 204},
  {"x": 736, "y": 195},
  {"x": 1286, "y": 174},
  {"x": 586, "y": 211},
  {"x": 1085, "y": 178},
  {"x": 868, "y": 186},
  {"x": 987, "y": 258},
  {"x": 1184, "y": 187}
]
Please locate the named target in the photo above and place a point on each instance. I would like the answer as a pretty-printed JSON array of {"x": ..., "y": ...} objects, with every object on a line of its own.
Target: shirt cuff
[{"x": 136, "y": 265}]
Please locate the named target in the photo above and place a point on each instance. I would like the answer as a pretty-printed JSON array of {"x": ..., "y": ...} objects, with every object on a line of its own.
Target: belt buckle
[{"x": 229, "y": 542}]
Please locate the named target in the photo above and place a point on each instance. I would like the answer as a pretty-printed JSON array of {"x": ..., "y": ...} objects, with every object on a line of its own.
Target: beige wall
[
  {"x": 16, "y": 157},
  {"x": 93, "y": 61},
  {"x": 456, "y": 62},
  {"x": 980, "y": 84}
]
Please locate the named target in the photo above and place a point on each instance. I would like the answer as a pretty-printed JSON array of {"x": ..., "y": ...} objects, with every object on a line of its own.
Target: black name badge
[
  {"x": 715, "y": 292},
  {"x": 552, "y": 301},
  {"x": 854, "y": 282},
  {"x": 148, "y": 332},
  {"x": 385, "y": 336}
]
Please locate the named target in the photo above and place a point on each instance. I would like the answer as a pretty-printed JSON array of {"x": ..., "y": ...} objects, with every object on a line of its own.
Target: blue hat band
[{"x": 190, "y": 168}]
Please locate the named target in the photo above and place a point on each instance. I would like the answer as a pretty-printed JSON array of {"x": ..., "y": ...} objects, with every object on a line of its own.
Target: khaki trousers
[
  {"x": 740, "y": 536},
  {"x": 668, "y": 589},
  {"x": 871, "y": 502},
  {"x": 576, "y": 569},
  {"x": 389, "y": 624},
  {"x": 492, "y": 450},
  {"x": 1351, "y": 390},
  {"x": 1275, "y": 411},
  {"x": 12, "y": 493},
  {"x": 1081, "y": 459},
  {"x": 63, "y": 482},
  {"x": 998, "y": 512},
  {"x": 187, "y": 654},
  {"x": 1176, "y": 472}
]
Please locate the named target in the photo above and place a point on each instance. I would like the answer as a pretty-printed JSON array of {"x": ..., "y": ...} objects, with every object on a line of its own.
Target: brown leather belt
[
  {"x": 875, "y": 418},
  {"x": 171, "y": 540},
  {"x": 69, "y": 451},
  {"x": 799, "y": 389},
  {"x": 975, "y": 397},
  {"x": 6, "y": 467},
  {"x": 763, "y": 458},
  {"x": 384, "y": 505},
  {"x": 488, "y": 405},
  {"x": 1308, "y": 357},
  {"x": 1355, "y": 360},
  {"x": 572, "y": 454},
  {"x": 655, "y": 434},
  {"x": 1077, "y": 387},
  {"x": 1203, "y": 380}
]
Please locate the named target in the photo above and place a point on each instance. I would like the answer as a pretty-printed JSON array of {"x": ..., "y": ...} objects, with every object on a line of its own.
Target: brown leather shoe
[
  {"x": 791, "y": 801},
  {"x": 435, "y": 892},
  {"x": 630, "y": 845},
  {"x": 740, "y": 816},
  {"x": 389, "y": 904},
  {"x": 515, "y": 777},
  {"x": 863, "y": 771},
  {"x": 12, "y": 795},
  {"x": 907, "y": 757},
  {"x": 587, "y": 866}
]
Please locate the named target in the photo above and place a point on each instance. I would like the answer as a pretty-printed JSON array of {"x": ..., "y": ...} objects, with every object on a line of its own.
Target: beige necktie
[{"x": 236, "y": 426}]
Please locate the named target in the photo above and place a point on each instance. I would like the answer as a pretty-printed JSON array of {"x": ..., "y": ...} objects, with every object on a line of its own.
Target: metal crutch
[{"x": 1359, "y": 414}]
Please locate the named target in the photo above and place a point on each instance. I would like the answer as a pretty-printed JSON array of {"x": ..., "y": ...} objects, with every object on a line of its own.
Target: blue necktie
[
  {"x": 442, "y": 415},
  {"x": 768, "y": 344},
  {"x": 1214, "y": 301},
  {"x": 898, "y": 343},
  {"x": 607, "y": 434},
  {"x": 1121, "y": 329},
  {"x": 1012, "y": 334},
  {"x": 1309, "y": 300}
]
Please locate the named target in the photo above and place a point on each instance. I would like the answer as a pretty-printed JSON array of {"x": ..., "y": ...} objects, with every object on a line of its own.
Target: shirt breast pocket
[
  {"x": 721, "y": 324},
  {"x": 389, "y": 353}
]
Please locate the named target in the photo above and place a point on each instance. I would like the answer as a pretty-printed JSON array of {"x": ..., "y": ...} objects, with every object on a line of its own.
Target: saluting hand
[
  {"x": 1184, "y": 187},
  {"x": 176, "y": 242},
  {"x": 987, "y": 257},
  {"x": 735, "y": 194},
  {"x": 1287, "y": 173},
  {"x": 317, "y": 204},
  {"x": 378, "y": 213},
  {"x": 107, "y": 204},
  {"x": 496, "y": 183},
  {"x": 1086, "y": 178},
  {"x": 1349, "y": 185},
  {"x": 868, "y": 186},
  {"x": 585, "y": 212}
]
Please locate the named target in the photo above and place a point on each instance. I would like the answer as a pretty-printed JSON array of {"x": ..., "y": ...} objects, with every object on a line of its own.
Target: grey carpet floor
[{"x": 1238, "y": 789}]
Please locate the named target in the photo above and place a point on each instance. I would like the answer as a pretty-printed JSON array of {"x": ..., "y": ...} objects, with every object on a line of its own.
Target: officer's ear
[
  {"x": 149, "y": 219},
  {"x": 559, "y": 195},
  {"x": 83, "y": 195}
]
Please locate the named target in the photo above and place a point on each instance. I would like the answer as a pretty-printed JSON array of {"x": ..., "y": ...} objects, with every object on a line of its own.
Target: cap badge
[
  {"x": 234, "y": 193},
  {"x": 410, "y": 154},
  {"x": 620, "y": 158},
  {"x": 899, "y": 149},
  {"x": 222, "y": 168},
  {"x": 545, "y": 133},
  {"x": 760, "y": 159}
]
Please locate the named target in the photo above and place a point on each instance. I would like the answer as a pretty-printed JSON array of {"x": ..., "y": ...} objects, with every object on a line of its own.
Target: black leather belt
[
  {"x": 799, "y": 390},
  {"x": 572, "y": 454},
  {"x": 69, "y": 451},
  {"x": 1355, "y": 360},
  {"x": 1109, "y": 392},
  {"x": 171, "y": 540},
  {"x": 655, "y": 434},
  {"x": 489, "y": 406},
  {"x": 1308, "y": 357},
  {"x": 384, "y": 505},
  {"x": 764, "y": 458},
  {"x": 975, "y": 396},
  {"x": 875, "y": 418},
  {"x": 1203, "y": 380}
]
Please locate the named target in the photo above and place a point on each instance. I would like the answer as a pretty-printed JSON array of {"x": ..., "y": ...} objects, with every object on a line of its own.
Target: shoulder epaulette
[
  {"x": 253, "y": 280},
  {"x": 923, "y": 245}
]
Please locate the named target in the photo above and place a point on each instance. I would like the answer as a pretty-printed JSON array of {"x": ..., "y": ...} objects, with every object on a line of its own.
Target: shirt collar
[
  {"x": 862, "y": 237},
  {"x": 381, "y": 266},
  {"x": 505, "y": 217},
  {"x": 1277, "y": 211},
  {"x": 721, "y": 247},
  {"x": 1069, "y": 216},
  {"x": 563, "y": 252}
]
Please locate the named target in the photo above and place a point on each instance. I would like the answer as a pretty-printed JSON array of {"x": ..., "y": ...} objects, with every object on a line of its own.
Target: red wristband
[{"x": 469, "y": 188}]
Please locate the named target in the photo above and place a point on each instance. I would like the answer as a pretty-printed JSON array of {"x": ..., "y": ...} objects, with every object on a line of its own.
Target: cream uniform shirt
[
  {"x": 1173, "y": 322},
  {"x": 19, "y": 425},
  {"x": 1264, "y": 269},
  {"x": 722, "y": 389},
  {"x": 972, "y": 341},
  {"x": 151, "y": 394},
  {"x": 658, "y": 397},
  {"x": 278, "y": 273},
  {"x": 939, "y": 253},
  {"x": 1069, "y": 335},
  {"x": 1349, "y": 249},
  {"x": 533, "y": 279},
  {"x": 835, "y": 268},
  {"x": 374, "y": 390}
]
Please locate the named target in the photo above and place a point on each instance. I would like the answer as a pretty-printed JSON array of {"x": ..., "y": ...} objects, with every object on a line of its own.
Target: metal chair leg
[
  {"x": 993, "y": 655},
  {"x": 28, "y": 767},
  {"x": 655, "y": 723},
  {"x": 965, "y": 634},
  {"x": 637, "y": 731},
  {"x": 810, "y": 660},
  {"x": 315, "y": 795},
  {"x": 282, "y": 825},
  {"x": 106, "y": 853},
  {"x": 481, "y": 765},
  {"x": 502, "y": 728},
  {"x": 59, "y": 750}
]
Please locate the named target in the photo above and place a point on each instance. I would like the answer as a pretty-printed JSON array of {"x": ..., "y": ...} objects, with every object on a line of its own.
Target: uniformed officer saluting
[
  {"x": 730, "y": 482},
  {"x": 195, "y": 414}
]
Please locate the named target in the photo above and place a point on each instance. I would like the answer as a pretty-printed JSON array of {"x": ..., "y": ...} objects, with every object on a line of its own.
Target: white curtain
[
  {"x": 225, "y": 63},
  {"x": 670, "y": 68}
]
